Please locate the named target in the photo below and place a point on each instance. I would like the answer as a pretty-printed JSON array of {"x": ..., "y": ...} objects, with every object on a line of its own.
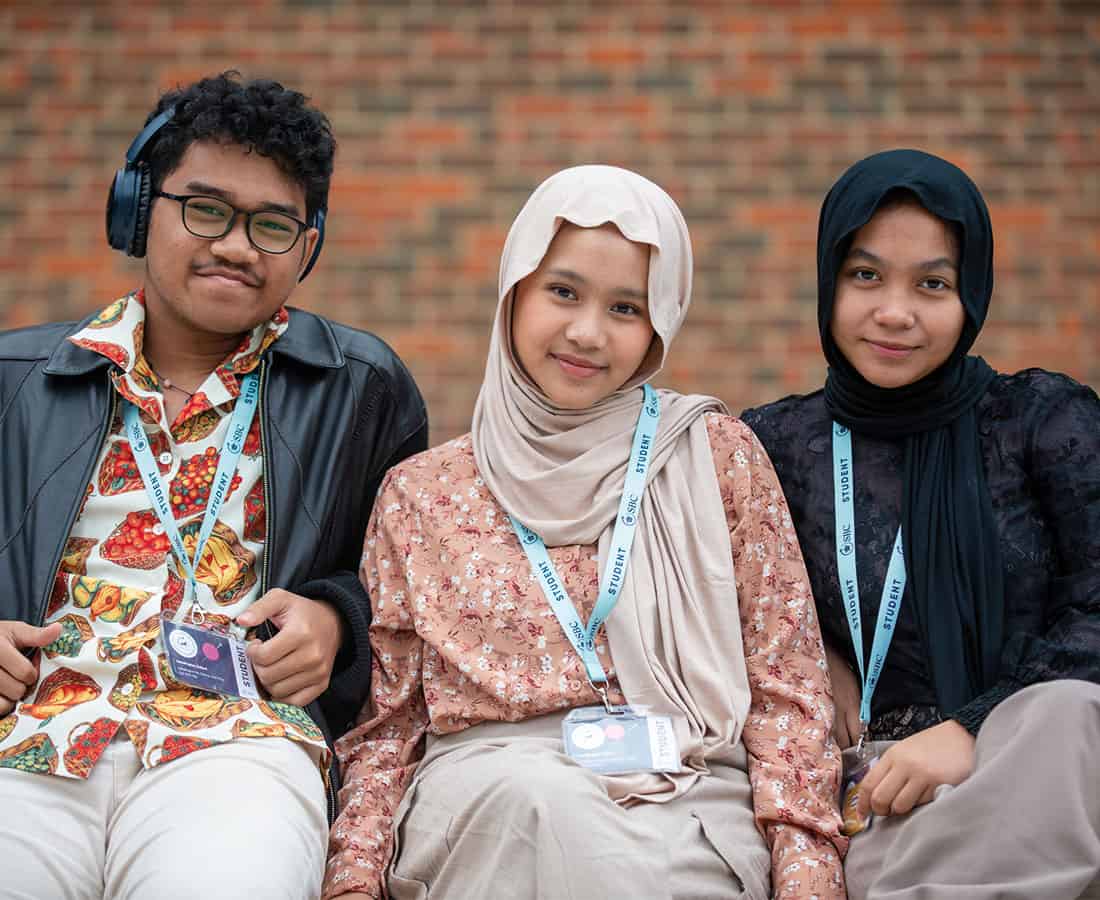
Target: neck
[{"x": 182, "y": 354}]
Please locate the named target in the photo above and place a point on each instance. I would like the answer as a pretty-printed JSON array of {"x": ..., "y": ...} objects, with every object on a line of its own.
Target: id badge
[
  {"x": 207, "y": 660},
  {"x": 854, "y": 823},
  {"x": 622, "y": 741}
]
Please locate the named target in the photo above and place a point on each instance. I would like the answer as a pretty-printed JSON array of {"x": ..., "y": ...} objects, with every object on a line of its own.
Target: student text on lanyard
[
  {"x": 235, "y": 438},
  {"x": 892, "y": 590},
  {"x": 582, "y": 637}
]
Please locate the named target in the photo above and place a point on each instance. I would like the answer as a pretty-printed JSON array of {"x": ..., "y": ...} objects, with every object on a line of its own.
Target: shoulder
[
  {"x": 312, "y": 330},
  {"x": 439, "y": 470},
  {"x": 735, "y": 447},
  {"x": 1032, "y": 395},
  {"x": 726, "y": 431},
  {"x": 779, "y": 424},
  {"x": 34, "y": 343},
  {"x": 373, "y": 366},
  {"x": 1032, "y": 386}
]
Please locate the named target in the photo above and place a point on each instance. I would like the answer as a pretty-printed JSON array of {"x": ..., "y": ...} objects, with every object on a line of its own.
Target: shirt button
[{"x": 165, "y": 459}]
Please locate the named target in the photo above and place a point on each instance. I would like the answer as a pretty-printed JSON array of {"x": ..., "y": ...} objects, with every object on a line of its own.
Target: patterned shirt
[
  {"x": 108, "y": 669},
  {"x": 463, "y": 634}
]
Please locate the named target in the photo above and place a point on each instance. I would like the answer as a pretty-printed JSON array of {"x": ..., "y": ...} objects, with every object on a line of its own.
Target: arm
[
  {"x": 379, "y": 756},
  {"x": 1062, "y": 461},
  {"x": 322, "y": 649},
  {"x": 1061, "y": 457},
  {"x": 349, "y": 684},
  {"x": 794, "y": 764}
]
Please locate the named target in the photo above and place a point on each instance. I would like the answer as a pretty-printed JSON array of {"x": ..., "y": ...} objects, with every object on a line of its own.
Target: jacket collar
[
  {"x": 69, "y": 359},
  {"x": 308, "y": 340}
]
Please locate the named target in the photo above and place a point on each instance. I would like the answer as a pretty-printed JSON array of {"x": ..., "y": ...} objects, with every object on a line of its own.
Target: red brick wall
[{"x": 449, "y": 113}]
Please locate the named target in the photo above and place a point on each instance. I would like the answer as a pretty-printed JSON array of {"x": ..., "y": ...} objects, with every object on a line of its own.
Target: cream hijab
[{"x": 675, "y": 634}]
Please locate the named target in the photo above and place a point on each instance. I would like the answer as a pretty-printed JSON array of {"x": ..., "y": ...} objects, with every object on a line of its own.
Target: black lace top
[{"x": 1040, "y": 441}]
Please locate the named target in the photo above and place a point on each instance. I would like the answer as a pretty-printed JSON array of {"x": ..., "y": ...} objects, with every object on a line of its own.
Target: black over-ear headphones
[{"x": 130, "y": 200}]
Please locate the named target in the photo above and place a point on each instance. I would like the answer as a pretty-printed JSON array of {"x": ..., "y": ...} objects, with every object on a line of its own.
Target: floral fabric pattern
[
  {"x": 1039, "y": 434},
  {"x": 117, "y": 575},
  {"x": 462, "y": 634}
]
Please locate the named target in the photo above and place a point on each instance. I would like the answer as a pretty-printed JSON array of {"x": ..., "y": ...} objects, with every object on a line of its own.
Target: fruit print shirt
[{"x": 107, "y": 670}]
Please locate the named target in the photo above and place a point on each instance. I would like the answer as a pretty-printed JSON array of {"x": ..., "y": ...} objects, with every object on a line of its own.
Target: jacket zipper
[
  {"x": 330, "y": 787},
  {"x": 112, "y": 406},
  {"x": 267, "y": 481}
]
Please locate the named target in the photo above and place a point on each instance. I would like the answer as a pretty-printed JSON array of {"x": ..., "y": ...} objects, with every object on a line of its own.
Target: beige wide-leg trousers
[
  {"x": 246, "y": 819},
  {"x": 498, "y": 811},
  {"x": 1024, "y": 826}
]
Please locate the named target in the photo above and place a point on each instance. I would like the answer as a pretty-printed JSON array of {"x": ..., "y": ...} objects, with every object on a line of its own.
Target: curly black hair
[{"x": 261, "y": 115}]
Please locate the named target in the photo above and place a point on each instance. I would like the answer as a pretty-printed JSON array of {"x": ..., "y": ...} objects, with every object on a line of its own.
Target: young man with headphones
[{"x": 185, "y": 481}]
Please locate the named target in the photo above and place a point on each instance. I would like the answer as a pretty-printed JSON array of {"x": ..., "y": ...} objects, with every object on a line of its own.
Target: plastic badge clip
[
  {"x": 862, "y": 750},
  {"x": 611, "y": 710}
]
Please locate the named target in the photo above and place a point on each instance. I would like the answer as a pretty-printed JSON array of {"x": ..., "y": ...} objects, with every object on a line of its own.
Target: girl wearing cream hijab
[{"x": 597, "y": 669}]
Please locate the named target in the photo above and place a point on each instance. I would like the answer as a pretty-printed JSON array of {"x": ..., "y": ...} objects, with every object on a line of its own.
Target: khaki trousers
[
  {"x": 498, "y": 811},
  {"x": 1024, "y": 826},
  {"x": 237, "y": 820}
]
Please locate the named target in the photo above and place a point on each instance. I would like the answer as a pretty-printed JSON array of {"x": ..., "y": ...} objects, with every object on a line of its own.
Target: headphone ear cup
[
  {"x": 142, "y": 211},
  {"x": 120, "y": 218},
  {"x": 128, "y": 209}
]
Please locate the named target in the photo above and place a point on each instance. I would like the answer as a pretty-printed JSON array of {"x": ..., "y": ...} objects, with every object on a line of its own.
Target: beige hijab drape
[{"x": 675, "y": 635}]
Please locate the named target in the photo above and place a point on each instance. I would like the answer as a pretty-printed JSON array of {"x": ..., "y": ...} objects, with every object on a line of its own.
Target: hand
[
  {"x": 354, "y": 896},
  {"x": 17, "y": 673},
  {"x": 908, "y": 774},
  {"x": 846, "y": 697},
  {"x": 296, "y": 664}
]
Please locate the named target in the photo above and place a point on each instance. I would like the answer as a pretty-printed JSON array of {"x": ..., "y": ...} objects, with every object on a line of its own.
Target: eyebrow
[
  {"x": 941, "y": 262},
  {"x": 628, "y": 293},
  {"x": 202, "y": 187}
]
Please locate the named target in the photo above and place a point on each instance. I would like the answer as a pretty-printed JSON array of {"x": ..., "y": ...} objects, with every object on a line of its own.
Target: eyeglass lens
[{"x": 271, "y": 231}]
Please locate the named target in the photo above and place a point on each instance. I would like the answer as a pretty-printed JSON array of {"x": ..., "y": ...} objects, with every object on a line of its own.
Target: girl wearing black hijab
[{"x": 950, "y": 520}]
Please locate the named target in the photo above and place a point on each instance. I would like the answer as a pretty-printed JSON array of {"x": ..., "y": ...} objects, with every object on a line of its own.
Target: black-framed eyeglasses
[{"x": 212, "y": 218}]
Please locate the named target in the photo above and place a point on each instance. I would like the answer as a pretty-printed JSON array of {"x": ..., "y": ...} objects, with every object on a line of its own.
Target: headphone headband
[{"x": 155, "y": 125}]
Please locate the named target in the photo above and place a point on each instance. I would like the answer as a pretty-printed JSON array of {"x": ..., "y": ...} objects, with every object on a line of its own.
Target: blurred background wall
[{"x": 449, "y": 113}]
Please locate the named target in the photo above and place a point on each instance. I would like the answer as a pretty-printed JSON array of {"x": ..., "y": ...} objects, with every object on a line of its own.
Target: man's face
[{"x": 223, "y": 286}]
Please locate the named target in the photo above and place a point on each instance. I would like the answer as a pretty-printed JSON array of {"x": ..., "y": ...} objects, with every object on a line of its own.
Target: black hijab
[{"x": 952, "y": 555}]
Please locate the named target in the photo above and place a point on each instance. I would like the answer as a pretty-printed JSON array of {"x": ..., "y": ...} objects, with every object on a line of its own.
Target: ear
[{"x": 309, "y": 242}]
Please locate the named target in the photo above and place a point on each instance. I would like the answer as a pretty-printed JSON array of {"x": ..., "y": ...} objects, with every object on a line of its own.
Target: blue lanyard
[
  {"x": 892, "y": 590},
  {"x": 583, "y": 638},
  {"x": 223, "y": 476}
]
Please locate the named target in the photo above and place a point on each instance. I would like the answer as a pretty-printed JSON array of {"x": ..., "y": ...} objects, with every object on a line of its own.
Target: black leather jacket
[{"x": 337, "y": 408}]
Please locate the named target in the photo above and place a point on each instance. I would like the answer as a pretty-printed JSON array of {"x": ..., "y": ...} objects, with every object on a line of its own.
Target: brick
[
  {"x": 449, "y": 114},
  {"x": 624, "y": 55}
]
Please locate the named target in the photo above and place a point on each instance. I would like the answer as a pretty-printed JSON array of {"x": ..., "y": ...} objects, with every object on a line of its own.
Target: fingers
[
  {"x": 295, "y": 679},
  {"x": 24, "y": 635},
  {"x": 842, "y": 732},
  {"x": 301, "y": 660},
  {"x": 908, "y": 797},
  {"x": 12, "y": 690},
  {"x": 265, "y": 654},
  {"x": 299, "y": 690},
  {"x": 16, "y": 666},
  {"x": 6, "y": 706},
  {"x": 882, "y": 797},
  {"x": 870, "y": 784},
  {"x": 852, "y": 727},
  {"x": 273, "y": 605}
]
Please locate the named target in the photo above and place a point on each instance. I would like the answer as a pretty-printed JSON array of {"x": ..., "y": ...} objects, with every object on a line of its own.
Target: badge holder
[
  {"x": 206, "y": 659},
  {"x": 616, "y": 740},
  {"x": 854, "y": 823}
]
